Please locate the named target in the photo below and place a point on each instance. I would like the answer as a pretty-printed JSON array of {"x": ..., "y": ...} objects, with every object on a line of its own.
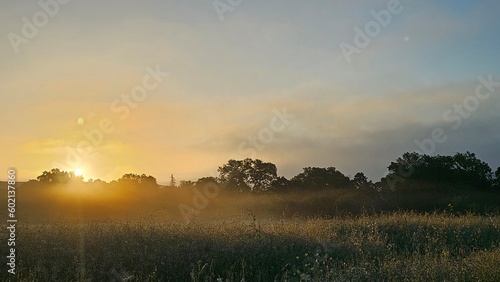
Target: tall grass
[{"x": 388, "y": 247}]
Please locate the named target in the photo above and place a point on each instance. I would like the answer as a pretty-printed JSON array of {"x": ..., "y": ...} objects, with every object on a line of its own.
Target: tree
[
  {"x": 56, "y": 176},
  {"x": 280, "y": 184},
  {"x": 261, "y": 175},
  {"x": 173, "y": 182},
  {"x": 319, "y": 178},
  {"x": 248, "y": 174},
  {"x": 414, "y": 170},
  {"x": 471, "y": 171},
  {"x": 497, "y": 178},
  {"x": 96, "y": 181},
  {"x": 233, "y": 174},
  {"x": 360, "y": 182},
  {"x": 186, "y": 184},
  {"x": 136, "y": 180},
  {"x": 206, "y": 180},
  {"x": 407, "y": 166}
]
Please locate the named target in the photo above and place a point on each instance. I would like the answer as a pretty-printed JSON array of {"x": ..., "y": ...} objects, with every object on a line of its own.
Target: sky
[{"x": 180, "y": 87}]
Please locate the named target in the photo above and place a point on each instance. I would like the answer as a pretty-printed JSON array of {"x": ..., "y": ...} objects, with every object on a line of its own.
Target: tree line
[
  {"x": 418, "y": 182},
  {"x": 411, "y": 171}
]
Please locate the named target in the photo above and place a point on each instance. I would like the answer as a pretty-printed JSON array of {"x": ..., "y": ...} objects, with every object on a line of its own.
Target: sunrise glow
[
  {"x": 179, "y": 88},
  {"x": 78, "y": 172}
]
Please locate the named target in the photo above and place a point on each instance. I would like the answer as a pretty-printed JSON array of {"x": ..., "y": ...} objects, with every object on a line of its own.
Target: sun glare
[{"x": 78, "y": 172}]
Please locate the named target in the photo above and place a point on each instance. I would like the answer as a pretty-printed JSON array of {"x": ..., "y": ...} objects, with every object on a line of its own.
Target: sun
[{"x": 78, "y": 172}]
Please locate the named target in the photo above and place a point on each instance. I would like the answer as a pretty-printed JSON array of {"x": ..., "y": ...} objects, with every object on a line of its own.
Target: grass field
[{"x": 389, "y": 247}]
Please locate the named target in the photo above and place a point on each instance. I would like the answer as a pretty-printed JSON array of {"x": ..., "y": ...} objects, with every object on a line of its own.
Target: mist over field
[
  {"x": 456, "y": 184},
  {"x": 79, "y": 231},
  {"x": 439, "y": 222}
]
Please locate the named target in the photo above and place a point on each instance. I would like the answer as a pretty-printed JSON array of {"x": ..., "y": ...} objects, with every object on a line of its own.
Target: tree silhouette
[
  {"x": 56, "y": 176},
  {"x": 281, "y": 184},
  {"x": 471, "y": 171},
  {"x": 414, "y": 170},
  {"x": 319, "y": 178},
  {"x": 173, "y": 182},
  {"x": 186, "y": 184},
  {"x": 497, "y": 178},
  {"x": 360, "y": 182},
  {"x": 248, "y": 174},
  {"x": 136, "y": 180},
  {"x": 206, "y": 180}
]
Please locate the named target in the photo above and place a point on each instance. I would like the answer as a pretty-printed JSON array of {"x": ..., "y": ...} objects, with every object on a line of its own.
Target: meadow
[
  {"x": 399, "y": 246},
  {"x": 80, "y": 232}
]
